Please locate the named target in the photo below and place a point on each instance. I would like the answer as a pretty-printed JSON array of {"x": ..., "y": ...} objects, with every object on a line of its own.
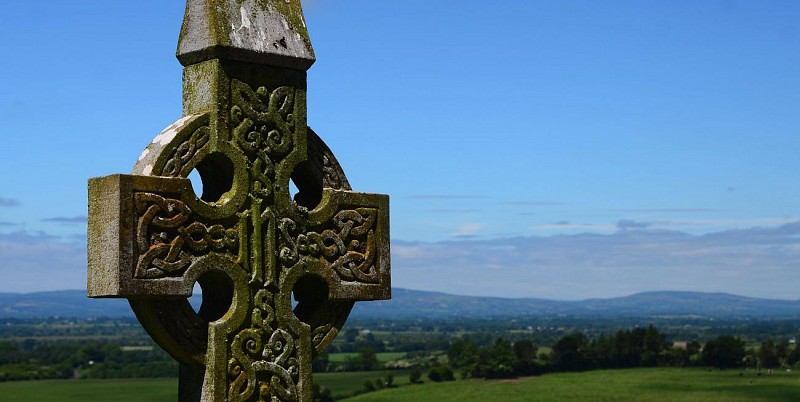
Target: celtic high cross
[{"x": 245, "y": 240}]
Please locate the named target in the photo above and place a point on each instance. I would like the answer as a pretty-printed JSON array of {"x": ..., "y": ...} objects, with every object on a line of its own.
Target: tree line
[
  {"x": 32, "y": 360},
  {"x": 638, "y": 347}
]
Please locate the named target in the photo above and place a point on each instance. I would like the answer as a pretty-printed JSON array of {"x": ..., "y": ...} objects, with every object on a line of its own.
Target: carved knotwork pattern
[
  {"x": 349, "y": 247},
  {"x": 264, "y": 361},
  {"x": 179, "y": 160},
  {"x": 168, "y": 237},
  {"x": 263, "y": 129}
]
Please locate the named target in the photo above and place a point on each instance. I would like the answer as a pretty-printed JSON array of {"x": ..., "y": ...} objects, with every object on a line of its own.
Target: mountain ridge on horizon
[{"x": 407, "y": 303}]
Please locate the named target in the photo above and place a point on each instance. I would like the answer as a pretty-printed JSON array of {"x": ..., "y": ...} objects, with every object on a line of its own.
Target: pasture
[{"x": 651, "y": 385}]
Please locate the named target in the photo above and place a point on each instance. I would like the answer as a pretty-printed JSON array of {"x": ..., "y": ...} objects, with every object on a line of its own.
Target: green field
[
  {"x": 383, "y": 357},
  {"x": 152, "y": 390},
  {"x": 158, "y": 390},
  {"x": 652, "y": 385},
  {"x": 349, "y": 382}
]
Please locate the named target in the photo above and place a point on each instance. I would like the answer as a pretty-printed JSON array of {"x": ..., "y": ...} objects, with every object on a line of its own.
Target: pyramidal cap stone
[{"x": 256, "y": 31}]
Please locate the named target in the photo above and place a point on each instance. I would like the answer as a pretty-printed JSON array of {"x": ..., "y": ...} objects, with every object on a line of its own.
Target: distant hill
[
  {"x": 411, "y": 303},
  {"x": 415, "y": 304}
]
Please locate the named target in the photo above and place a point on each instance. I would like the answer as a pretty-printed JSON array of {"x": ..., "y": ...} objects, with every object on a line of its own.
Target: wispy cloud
[
  {"x": 454, "y": 210},
  {"x": 668, "y": 210},
  {"x": 468, "y": 230},
  {"x": 62, "y": 219},
  {"x": 37, "y": 261},
  {"x": 533, "y": 203},
  {"x": 628, "y": 224},
  {"x": 561, "y": 226},
  {"x": 8, "y": 202},
  {"x": 446, "y": 197},
  {"x": 759, "y": 261}
]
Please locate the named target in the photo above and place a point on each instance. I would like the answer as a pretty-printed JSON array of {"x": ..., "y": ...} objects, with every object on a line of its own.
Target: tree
[
  {"x": 440, "y": 373},
  {"x": 724, "y": 351},
  {"x": 525, "y": 353},
  {"x": 388, "y": 380},
  {"x": 768, "y": 355},
  {"x": 653, "y": 344},
  {"x": 320, "y": 362},
  {"x": 570, "y": 353},
  {"x": 350, "y": 335},
  {"x": 499, "y": 359},
  {"x": 366, "y": 360},
  {"x": 415, "y": 375},
  {"x": 322, "y": 394},
  {"x": 465, "y": 355}
]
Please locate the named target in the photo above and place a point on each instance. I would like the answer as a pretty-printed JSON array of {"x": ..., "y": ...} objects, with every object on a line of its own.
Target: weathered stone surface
[
  {"x": 245, "y": 240},
  {"x": 259, "y": 31}
]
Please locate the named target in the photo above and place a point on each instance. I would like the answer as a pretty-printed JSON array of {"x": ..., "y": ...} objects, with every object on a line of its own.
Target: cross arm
[{"x": 144, "y": 234}]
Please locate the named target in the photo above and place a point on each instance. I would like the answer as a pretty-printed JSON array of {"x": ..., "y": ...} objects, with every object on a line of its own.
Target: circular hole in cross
[
  {"x": 305, "y": 186},
  {"x": 212, "y": 178},
  {"x": 216, "y": 291},
  {"x": 310, "y": 292}
]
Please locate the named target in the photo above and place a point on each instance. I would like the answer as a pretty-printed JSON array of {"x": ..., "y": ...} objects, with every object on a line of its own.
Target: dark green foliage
[
  {"x": 415, "y": 377},
  {"x": 773, "y": 355},
  {"x": 571, "y": 353},
  {"x": 440, "y": 373},
  {"x": 369, "y": 385},
  {"x": 466, "y": 356},
  {"x": 320, "y": 363},
  {"x": 724, "y": 351},
  {"x": 322, "y": 394},
  {"x": 365, "y": 360},
  {"x": 525, "y": 353},
  {"x": 499, "y": 360}
]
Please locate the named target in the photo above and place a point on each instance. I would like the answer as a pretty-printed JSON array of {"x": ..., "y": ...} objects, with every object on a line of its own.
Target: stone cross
[{"x": 245, "y": 240}]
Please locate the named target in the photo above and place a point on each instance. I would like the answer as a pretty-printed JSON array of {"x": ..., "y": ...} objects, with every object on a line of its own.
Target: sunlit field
[{"x": 652, "y": 385}]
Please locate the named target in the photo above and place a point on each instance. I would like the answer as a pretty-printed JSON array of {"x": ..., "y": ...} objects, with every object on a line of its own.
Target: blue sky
[{"x": 566, "y": 150}]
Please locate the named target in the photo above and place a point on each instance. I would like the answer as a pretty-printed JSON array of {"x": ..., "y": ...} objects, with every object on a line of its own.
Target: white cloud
[
  {"x": 35, "y": 262},
  {"x": 467, "y": 230},
  {"x": 760, "y": 262}
]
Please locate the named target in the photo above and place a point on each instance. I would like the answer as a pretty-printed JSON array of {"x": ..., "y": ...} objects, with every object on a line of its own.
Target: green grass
[
  {"x": 640, "y": 385},
  {"x": 157, "y": 390},
  {"x": 651, "y": 385},
  {"x": 349, "y": 382},
  {"x": 150, "y": 390},
  {"x": 383, "y": 357}
]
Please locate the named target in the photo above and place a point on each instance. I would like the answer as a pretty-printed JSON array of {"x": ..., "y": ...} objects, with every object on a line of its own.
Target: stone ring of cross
[{"x": 245, "y": 240}]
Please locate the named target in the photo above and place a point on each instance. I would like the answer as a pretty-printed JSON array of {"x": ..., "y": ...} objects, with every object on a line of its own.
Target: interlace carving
[
  {"x": 178, "y": 161},
  {"x": 263, "y": 129},
  {"x": 349, "y": 249},
  {"x": 167, "y": 237}
]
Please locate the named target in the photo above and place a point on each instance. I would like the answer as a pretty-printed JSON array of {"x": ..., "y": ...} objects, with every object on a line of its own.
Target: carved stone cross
[{"x": 249, "y": 245}]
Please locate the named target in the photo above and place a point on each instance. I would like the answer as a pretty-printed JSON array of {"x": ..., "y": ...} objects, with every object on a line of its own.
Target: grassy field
[
  {"x": 154, "y": 390},
  {"x": 157, "y": 390},
  {"x": 349, "y": 382},
  {"x": 651, "y": 385},
  {"x": 383, "y": 357}
]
